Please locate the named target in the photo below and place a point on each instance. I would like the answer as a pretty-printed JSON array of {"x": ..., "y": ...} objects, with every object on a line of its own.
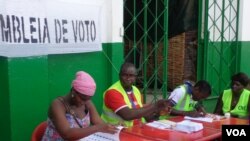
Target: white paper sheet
[
  {"x": 161, "y": 124},
  {"x": 100, "y": 136},
  {"x": 188, "y": 126},
  {"x": 205, "y": 119}
]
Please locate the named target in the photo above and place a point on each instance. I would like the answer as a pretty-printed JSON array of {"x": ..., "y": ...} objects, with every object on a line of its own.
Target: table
[
  {"x": 151, "y": 133},
  {"x": 211, "y": 130},
  {"x": 127, "y": 136},
  {"x": 217, "y": 124}
]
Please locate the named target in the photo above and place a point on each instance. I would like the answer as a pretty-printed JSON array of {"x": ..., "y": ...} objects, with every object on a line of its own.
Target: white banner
[{"x": 48, "y": 27}]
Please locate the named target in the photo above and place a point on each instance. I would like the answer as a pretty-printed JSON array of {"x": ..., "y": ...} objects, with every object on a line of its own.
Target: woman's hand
[{"x": 108, "y": 128}]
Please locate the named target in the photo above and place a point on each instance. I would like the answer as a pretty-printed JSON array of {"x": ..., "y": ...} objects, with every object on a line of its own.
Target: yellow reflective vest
[
  {"x": 185, "y": 103},
  {"x": 109, "y": 116},
  {"x": 240, "y": 109}
]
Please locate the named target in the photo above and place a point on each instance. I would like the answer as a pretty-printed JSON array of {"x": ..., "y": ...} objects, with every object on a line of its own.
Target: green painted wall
[
  {"x": 28, "y": 94},
  {"x": 29, "y": 84},
  {"x": 210, "y": 104},
  {"x": 5, "y": 128},
  {"x": 243, "y": 65},
  {"x": 244, "y": 57}
]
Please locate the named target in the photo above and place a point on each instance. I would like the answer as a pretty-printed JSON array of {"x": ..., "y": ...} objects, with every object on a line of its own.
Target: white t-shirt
[{"x": 177, "y": 94}]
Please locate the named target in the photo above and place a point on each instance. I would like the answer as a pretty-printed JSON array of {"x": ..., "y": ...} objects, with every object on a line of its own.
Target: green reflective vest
[
  {"x": 241, "y": 107},
  {"x": 109, "y": 116},
  {"x": 185, "y": 103}
]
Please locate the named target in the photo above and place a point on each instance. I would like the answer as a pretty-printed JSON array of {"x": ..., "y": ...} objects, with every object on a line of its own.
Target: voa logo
[
  {"x": 236, "y": 132},
  {"x": 241, "y": 132}
]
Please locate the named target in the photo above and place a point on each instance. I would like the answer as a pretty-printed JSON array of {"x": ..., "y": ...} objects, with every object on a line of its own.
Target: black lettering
[
  {"x": 58, "y": 26},
  {"x": 75, "y": 30},
  {"x": 87, "y": 27},
  {"x": 81, "y": 26},
  {"x": 25, "y": 40},
  {"x": 64, "y": 30},
  {"x": 46, "y": 31},
  {"x": 2, "y": 26},
  {"x": 32, "y": 29},
  {"x": 92, "y": 31},
  {"x": 6, "y": 31},
  {"x": 39, "y": 30},
  {"x": 16, "y": 29}
]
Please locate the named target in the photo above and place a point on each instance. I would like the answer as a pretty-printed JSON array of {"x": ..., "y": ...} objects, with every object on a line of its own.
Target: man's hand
[{"x": 195, "y": 114}]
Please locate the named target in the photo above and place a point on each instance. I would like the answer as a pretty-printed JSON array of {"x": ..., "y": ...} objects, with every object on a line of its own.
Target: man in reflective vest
[
  {"x": 187, "y": 99},
  {"x": 122, "y": 101}
]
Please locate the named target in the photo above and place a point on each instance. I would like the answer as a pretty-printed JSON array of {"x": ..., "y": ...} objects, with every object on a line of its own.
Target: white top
[{"x": 177, "y": 94}]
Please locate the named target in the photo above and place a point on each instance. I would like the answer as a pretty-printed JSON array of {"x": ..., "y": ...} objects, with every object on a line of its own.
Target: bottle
[{"x": 227, "y": 115}]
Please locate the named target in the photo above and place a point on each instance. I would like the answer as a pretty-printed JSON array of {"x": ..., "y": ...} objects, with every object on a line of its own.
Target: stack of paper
[
  {"x": 162, "y": 124},
  {"x": 188, "y": 126}
]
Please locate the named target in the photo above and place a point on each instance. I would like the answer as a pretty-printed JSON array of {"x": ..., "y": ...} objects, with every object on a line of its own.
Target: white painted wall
[
  {"x": 215, "y": 11},
  {"x": 117, "y": 20},
  {"x": 111, "y": 19},
  {"x": 244, "y": 21}
]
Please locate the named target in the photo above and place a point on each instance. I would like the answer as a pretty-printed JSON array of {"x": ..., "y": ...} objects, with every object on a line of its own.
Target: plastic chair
[{"x": 39, "y": 131}]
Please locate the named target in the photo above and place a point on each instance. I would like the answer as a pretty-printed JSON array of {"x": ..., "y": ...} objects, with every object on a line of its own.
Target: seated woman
[
  {"x": 74, "y": 116},
  {"x": 236, "y": 99}
]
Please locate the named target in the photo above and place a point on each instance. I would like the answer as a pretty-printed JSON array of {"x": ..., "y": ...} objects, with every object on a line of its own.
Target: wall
[
  {"x": 244, "y": 57},
  {"x": 241, "y": 58},
  {"x": 244, "y": 38},
  {"x": 29, "y": 83},
  {"x": 4, "y": 101}
]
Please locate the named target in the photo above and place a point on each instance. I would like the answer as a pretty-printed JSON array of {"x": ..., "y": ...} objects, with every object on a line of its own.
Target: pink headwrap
[{"x": 84, "y": 83}]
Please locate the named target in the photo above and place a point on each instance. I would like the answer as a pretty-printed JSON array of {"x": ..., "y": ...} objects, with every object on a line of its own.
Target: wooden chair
[{"x": 39, "y": 131}]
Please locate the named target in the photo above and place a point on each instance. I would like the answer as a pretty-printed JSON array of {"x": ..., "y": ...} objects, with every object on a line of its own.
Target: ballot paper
[
  {"x": 188, "y": 126},
  {"x": 208, "y": 118},
  {"x": 205, "y": 119},
  {"x": 162, "y": 124},
  {"x": 100, "y": 136}
]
